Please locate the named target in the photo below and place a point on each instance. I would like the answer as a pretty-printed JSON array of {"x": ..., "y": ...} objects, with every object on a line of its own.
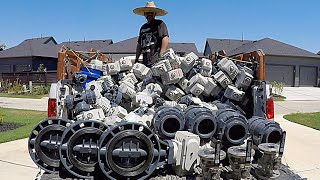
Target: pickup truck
[{"x": 186, "y": 117}]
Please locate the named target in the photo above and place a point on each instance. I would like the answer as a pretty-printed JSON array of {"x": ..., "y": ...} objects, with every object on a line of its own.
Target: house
[
  {"x": 128, "y": 48},
  {"x": 215, "y": 45},
  {"x": 28, "y": 55},
  {"x": 284, "y": 63}
]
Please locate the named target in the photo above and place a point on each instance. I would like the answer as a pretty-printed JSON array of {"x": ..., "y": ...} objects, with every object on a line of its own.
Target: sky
[{"x": 295, "y": 22}]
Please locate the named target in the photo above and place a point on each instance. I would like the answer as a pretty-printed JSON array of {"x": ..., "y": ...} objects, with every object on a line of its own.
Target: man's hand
[{"x": 164, "y": 46}]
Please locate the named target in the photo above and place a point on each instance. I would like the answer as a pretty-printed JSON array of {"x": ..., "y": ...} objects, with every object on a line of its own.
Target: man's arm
[
  {"x": 164, "y": 45},
  {"x": 138, "y": 52}
]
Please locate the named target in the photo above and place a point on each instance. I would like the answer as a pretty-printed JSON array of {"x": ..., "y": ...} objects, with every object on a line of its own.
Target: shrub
[
  {"x": 40, "y": 90},
  {"x": 4, "y": 85},
  {"x": 41, "y": 68},
  {"x": 16, "y": 87},
  {"x": 277, "y": 87},
  {"x": 2, "y": 118}
]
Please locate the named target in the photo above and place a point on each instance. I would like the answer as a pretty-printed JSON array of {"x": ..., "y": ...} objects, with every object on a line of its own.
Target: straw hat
[{"x": 150, "y": 7}]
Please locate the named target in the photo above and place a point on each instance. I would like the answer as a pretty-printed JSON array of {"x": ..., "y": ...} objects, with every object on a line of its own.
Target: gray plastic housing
[
  {"x": 172, "y": 77},
  {"x": 174, "y": 93},
  {"x": 161, "y": 68},
  {"x": 222, "y": 79},
  {"x": 244, "y": 80},
  {"x": 125, "y": 63},
  {"x": 206, "y": 67},
  {"x": 228, "y": 67},
  {"x": 188, "y": 62},
  {"x": 186, "y": 147},
  {"x": 234, "y": 93},
  {"x": 264, "y": 131},
  {"x": 113, "y": 68},
  {"x": 233, "y": 127},
  {"x": 200, "y": 121},
  {"x": 167, "y": 121}
]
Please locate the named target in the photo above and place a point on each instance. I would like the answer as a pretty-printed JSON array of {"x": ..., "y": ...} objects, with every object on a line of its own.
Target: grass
[
  {"x": 311, "y": 120},
  {"x": 279, "y": 99},
  {"x": 22, "y": 96},
  {"x": 27, "y": 118},
  {"x": 276, "y": 97}
]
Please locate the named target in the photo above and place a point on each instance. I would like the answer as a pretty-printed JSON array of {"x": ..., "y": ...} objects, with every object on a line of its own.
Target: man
[{"x": 153, "y": 37}]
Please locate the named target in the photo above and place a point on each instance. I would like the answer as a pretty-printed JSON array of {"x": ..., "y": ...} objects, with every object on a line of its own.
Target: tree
[
  {"x": 2, "y": 47},
  {"x": 42, "y": 68}
]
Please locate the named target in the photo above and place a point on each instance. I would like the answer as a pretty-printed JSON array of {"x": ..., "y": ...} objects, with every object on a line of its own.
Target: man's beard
[{"x": 149, "y": 18}]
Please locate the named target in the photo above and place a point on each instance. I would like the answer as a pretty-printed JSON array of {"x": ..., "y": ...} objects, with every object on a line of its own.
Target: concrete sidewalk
[
  {"x": 24, "y": 103},
  {"x": 301, "y": 149},
  {"x": 15, "y": 162},
  {"x": 302, "y": 143}
]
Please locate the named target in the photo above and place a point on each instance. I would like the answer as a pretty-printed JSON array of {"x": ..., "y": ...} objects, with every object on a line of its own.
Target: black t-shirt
[{"x": 150, "y": 40}]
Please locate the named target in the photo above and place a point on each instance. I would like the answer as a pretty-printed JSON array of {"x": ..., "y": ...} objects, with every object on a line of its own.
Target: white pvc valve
[
  {"x": 125, "y": 63},
  {"x": 209, "y": 87},
  {"x": 206, "y": 67},
  {"x": 127, "y": 91},
  {"x": 186, "y": 147},
  {"x": 222, "y": 79},
  {"x": 153, "y": 89},
  {"x": 97, "y": 87},
  {"x": 174, "y": 93},
  {"x": 94, "y": 114},
  {"x": 113, "y": 68},
  {"x": 188, "y": 62},
  {"x": 183, "y": 83},
  {"x": 234, "y": 93},
  {"x": 172, "y": 77},
  {"x": 197, "y": 89},
  {"x": 228, "y": 67},
  {"x": 244, "y": 80},
  {"x": 161, "y": 68}
]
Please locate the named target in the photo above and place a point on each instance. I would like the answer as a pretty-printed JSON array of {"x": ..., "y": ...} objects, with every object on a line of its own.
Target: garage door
[
  {"x": 280, "y": 73},
  {"x": 308, "y": 76}
]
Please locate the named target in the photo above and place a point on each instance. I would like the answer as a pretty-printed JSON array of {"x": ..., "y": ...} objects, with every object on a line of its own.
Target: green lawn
[
  {"x": 27, "y": 118},
  {"x": 278, "y": 99},
  {"x": 307, "y": 119},
  {"x": 22, "y": 96}
]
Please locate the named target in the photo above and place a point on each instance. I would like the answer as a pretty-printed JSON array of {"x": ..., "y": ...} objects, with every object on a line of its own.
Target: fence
[{"x": 37, "y": 78}]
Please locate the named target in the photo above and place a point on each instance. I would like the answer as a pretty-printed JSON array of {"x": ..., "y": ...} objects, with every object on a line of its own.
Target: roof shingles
[
  {"x": 224, "y": 44},
  {"x": 269, "y": 47},
  {"x": 273, "y": 47},
  {"x": 100, "y": 45},
  {"x": 129, "y": 47},
  {"x": 32, "y": 47}
]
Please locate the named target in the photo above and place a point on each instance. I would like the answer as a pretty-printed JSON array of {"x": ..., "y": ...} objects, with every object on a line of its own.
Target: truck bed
[{"x": 285, "y": 174}]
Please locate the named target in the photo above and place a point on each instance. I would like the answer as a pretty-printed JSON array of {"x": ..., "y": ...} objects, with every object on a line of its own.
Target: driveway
[
  {"x": 301, "y": 93},
  {"x": 287, "y": 107}
]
